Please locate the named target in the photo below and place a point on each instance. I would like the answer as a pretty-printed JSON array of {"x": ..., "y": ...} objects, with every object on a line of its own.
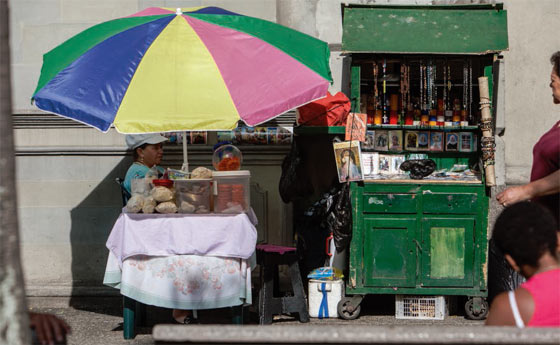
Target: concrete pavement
[{"x": 98, "y": 320}]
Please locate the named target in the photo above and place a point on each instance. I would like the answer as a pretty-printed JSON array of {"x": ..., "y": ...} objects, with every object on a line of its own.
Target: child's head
[{"x": 526, "y": 231}]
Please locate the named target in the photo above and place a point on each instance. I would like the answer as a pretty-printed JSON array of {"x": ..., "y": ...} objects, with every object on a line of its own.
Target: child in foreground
[{"x": 528, "y": 236}]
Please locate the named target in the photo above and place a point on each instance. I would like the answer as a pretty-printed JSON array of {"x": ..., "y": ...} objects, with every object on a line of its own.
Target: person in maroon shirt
[{"x": 544, "y": 187}]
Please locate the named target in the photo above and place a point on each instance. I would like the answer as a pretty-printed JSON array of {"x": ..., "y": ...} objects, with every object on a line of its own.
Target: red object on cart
[{"x": 327, "y": 111}]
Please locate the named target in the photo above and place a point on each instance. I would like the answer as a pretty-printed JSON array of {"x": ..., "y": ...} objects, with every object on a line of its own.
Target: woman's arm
[{"x": 547, "y": 185}]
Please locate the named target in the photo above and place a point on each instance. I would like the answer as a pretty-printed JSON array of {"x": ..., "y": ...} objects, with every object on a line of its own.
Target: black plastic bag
[
  {"x": 294, "y": 183},
  {"x": 419, "y": 168},
  {"x": 501, "y": 277},
  {"x": 339, "y": 218}
]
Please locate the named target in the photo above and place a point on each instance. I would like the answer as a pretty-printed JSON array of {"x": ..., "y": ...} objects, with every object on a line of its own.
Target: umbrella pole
[{"x": 185, "y": 166}]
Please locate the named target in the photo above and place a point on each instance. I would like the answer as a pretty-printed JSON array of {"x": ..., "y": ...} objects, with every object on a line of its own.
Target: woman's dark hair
[
  {"x": 555, "y": 61},
  {"x": 526, "y": 231},
  {"x": 135, "y": 153}
]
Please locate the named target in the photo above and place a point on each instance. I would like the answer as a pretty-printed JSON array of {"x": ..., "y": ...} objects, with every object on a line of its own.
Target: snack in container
[
  {"x": 166, "y": 207},
  {"x": 227, "y": 158},
  {"x": 193, "y": 196},
  {"x": 201, "y": 172}
]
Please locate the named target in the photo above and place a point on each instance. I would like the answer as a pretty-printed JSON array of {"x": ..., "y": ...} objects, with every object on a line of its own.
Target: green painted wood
[
  {"x": 451, "y": 291},
  {"x": 430, "y": 30},
  {"x": 446, "y": 255},
  {"x": 318, "y": 130},
  {"x": 389, "y": 202},
  {"x": 461, "y": 203},
  {"x": 355, "y": 271},
  {"x": 362, "y": 273},
  {"x": 488, "y": 73},
  {"x": 355, "y": 92},
  {"x": 389, "y": 252}
]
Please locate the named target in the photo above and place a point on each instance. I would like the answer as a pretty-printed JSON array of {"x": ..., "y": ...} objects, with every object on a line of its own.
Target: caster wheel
[
  {"x": 346, "y": 310},
  {"x": 471, "y": 314}
]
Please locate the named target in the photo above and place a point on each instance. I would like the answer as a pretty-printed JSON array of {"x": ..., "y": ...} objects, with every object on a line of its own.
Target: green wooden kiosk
[{"x": 420, "y": 237}]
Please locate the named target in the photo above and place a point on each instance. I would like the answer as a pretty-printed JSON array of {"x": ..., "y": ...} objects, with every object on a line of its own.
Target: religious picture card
[
  {"x": 396, "y": 161},
  {"x": 423, "y": 141},
  {"x": 260, "y": 135},
  {"x": 356, "y": 124},
  {"x": 198, "y": 138},
  {"x": 224, "y": 136},
  {"x": 411, "y": 140},
  {"x": 370, "y": 163},
  {"x": 238, "y": 136},
  {"x": 466, "y": 142},
  {"x": 348, "y": 161},
  {"x": 272, "y": 135},
  {"x": 451, "y": 141},
  {"x": 384, "y": 164},
  {"x": 284, "y": 135},
  {"x": 436, "y": 141},
  {"x": 381, "y": 140},
  {"x": 369, "y": 144},
  {"x": 395, "y": 141}
]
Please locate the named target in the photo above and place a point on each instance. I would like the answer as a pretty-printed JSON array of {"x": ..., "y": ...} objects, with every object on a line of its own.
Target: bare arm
[
  {"x": 547, "y": 185},
  {"x": 501, "y": 313}
]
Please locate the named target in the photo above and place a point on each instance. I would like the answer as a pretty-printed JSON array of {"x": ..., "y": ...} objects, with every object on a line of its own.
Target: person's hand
[
  {"x": 48, "y": 328},
  {"x": 512, "y": 195}
]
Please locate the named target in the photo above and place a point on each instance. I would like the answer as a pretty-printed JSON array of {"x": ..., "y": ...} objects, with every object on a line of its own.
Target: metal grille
[{"x": 420, "y": 307}]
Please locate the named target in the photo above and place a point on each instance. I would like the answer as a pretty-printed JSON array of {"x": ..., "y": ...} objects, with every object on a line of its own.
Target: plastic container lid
[
  {"x": 234, "y": 173},
  {"x": 162, "y": 182}
]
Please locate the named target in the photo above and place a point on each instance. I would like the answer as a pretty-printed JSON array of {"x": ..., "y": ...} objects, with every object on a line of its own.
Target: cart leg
[
  {"x": 237, "y": 315},
  {"x": 129, "y": 306},
  {"x": 140, "y": 314}
]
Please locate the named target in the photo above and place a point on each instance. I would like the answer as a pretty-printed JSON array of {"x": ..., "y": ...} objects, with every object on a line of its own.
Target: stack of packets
[{"x": 326, "y": 273}]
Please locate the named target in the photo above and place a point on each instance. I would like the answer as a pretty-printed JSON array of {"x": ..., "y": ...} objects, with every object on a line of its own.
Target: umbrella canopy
[{"x": 163, "y": 70}]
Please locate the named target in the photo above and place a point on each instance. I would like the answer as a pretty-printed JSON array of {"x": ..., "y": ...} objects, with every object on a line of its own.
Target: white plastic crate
[{"x": 421, "y": 307}]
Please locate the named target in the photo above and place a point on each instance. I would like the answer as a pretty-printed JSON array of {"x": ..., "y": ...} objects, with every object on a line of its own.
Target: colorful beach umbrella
[{"x": 163, "y": 70}]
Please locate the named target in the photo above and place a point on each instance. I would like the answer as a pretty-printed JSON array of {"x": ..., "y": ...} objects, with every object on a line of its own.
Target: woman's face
[
  {"x": 555, "y": 86},
  {"x": 151, "y": 155}
]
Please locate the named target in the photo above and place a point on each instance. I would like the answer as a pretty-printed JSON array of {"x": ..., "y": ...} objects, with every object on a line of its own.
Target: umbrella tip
[{"x": 178, "y": 11}]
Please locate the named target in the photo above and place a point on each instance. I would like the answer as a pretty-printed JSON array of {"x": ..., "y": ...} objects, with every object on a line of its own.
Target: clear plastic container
[
  {"x": 193, "y": 196},
  {"x": 140, "y": 186},
  {"x": 231, "y": 191}
]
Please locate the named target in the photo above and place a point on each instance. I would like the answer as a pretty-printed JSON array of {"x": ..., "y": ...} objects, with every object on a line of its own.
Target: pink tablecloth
[{"x": 232, "y": 236}]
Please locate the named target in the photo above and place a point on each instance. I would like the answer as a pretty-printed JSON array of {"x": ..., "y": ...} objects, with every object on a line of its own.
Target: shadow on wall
[{"x": 92, "y": 221}]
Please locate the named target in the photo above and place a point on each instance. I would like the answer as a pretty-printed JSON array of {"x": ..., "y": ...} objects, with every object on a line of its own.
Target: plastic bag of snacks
[{"x": 325, "y": 273}]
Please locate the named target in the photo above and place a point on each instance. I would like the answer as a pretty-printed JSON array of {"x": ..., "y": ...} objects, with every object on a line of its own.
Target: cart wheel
[
  {"x": 346, "y": 310},
  {"x": 471, "y": 314}
]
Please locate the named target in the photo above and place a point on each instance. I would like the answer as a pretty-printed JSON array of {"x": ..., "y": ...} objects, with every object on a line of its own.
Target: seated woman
[
  {"x": 147, "y": 150},
  {"x": 528, "y": 236}
]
